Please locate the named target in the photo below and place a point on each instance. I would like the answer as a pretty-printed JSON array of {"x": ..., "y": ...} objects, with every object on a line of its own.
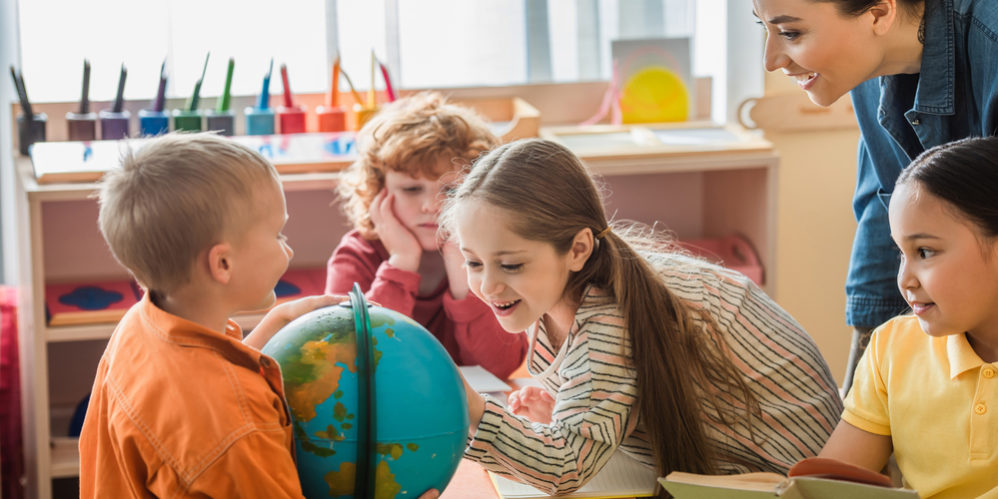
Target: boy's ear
[
  {"x": 582, "y": 247},
  {"x": 220, "y": 262}
]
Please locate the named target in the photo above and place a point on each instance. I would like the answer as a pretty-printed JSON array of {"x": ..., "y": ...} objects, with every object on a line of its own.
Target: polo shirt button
[
  {"x": 989, "y": 372},
  {"x": 265, "y": 362},
  {"x": 980, "y": 408}
]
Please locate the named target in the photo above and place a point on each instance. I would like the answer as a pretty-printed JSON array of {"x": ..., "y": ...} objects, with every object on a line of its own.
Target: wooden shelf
[{"x": 65, "y": 457}]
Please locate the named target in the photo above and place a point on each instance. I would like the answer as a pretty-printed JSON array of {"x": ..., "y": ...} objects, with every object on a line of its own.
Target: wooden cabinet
[{"x": 60, "y": 242}]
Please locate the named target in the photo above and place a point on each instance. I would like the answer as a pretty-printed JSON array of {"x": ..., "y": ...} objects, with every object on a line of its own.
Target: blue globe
[{"x": 377, "y": 405}]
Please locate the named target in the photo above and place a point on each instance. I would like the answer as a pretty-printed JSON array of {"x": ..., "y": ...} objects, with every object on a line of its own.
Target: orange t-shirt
[{"x": 179, "y": 410}]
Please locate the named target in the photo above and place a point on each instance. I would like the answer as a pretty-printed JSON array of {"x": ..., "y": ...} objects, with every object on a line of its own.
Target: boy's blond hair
[
  {"x": 175, "y": 197},
  {"x": 421, "y": 136}
]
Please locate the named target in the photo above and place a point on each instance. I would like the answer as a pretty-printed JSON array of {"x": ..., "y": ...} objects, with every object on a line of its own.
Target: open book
[
  {"x": 814, "y": 478},
  {"x": 622, "y": 476}
]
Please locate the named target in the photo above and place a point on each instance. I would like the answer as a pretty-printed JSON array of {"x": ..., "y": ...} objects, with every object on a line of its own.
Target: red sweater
[{"x": 466, "y": 328}]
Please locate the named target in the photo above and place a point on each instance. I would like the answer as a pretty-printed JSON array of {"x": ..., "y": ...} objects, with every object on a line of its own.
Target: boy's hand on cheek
[
  {"x": 401, "y": 243},
  {"x": 457, "y": 275}
]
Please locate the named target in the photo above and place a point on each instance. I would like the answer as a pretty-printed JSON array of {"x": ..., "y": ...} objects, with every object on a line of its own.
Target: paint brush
[
  {"x": 85, "y": 95},
  {"x": 223, "y": 102},
  {"x": 192, "y": 104},
  {"x": 119, "y": 98},
  {"x": 288, "y": 101},
  {"x": 160, "y": 101}
]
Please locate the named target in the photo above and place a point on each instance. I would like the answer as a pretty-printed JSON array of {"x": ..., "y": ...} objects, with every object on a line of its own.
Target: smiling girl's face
[
  {"x": 826, "y": 52},
  {"x": 949, "y": 270},
  {"x": 521, "y": 280}
]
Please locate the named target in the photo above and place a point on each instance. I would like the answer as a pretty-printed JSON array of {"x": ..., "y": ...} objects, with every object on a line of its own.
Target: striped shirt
[{"x": 594, "y": 385}]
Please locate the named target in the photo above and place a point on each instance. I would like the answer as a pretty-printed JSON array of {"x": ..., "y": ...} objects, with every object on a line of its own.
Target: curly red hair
[{"x": 422, "y": 136}]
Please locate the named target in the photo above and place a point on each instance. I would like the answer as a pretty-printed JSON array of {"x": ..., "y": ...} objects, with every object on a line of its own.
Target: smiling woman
[{"x": 921, "y": 73}]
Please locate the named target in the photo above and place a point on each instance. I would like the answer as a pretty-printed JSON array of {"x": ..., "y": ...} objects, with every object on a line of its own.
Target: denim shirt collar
[{"x": 935, "y": 89}]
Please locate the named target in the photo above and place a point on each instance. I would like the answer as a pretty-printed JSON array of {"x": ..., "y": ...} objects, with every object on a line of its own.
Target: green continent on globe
[
  {"x": 385, "y": 486},
  {"x": 341, "y": 481},
  {"x": 315, "y": 374}
]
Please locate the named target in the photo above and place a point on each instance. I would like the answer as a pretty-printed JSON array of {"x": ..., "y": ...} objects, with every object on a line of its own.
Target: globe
[{"x": 377, "y": 405}]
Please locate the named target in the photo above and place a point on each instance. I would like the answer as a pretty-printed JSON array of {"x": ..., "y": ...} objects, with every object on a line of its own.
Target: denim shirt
[{"x": 955, "y": 96}]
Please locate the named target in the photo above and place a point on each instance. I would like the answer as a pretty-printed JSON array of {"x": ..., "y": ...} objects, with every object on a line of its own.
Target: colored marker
[
  {"x": 223, "y": 103},
  {"x": 287, "y": 87},
  {"x": 263, "y": 102},
  {"x": 356, "y": 96},
  {"x": 370, "y": 91},
  {"x": 334, "y": 87},
  {"x": 388, "y": 82},
  {"x": 290, "y": 116},
  {"x": 30, "y": 126},
  {"x": 85, "y": 97},
  {"x": 22, "y": 93},
  {"x": 160, "y": 102},
  {"x": 260, "y": 119},
  {"x": 222, "y": 120},
  {"x": 119, "y": 99},
  {"x": 192, "y": 104},
  {"x": 82, "y": 125},
  {"x": 332, "y": 117}
]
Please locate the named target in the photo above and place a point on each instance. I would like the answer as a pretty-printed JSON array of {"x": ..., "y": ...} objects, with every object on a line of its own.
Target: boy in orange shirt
[{"x": 182, "y": 405}]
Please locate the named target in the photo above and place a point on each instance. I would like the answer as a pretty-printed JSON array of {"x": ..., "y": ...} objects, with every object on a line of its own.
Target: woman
[{"x": 921, "y": 73}]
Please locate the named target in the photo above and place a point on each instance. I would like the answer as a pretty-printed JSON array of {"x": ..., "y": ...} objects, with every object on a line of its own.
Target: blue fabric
[{"x": 955, "y": 96}]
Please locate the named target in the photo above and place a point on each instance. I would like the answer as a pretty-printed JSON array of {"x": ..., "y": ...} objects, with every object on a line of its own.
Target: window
[{"x": 424, "y": 43}]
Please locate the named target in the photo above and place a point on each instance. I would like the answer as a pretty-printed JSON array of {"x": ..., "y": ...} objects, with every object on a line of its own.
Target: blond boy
[{"x": 182, "y": 405}]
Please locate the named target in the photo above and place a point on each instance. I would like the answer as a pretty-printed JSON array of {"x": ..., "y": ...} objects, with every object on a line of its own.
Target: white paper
[
  {"x": 622, "y": 476},
  {"x": 483, "y": 381}
]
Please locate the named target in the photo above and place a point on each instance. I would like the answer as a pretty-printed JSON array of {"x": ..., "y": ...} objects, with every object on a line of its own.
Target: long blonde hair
[{"x": 678, "y": 365}]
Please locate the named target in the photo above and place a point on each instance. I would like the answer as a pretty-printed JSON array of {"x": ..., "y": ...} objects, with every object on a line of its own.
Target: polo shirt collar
[
  {"x": 961, "y": 355},
  {"x": 936, "y": 80}
]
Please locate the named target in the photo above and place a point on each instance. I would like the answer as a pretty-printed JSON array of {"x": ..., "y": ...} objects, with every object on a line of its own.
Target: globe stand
[{"x": 366, "y": 411}]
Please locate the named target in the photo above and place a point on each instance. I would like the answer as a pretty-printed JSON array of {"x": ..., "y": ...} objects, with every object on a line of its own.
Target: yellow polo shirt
[{"x": 938, "y": 401}]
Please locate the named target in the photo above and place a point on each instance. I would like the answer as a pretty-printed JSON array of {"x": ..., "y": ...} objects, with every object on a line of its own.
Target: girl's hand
[
  {"x": 457, "y": 275},
  {"x": 286, "y": 312},
  {"x": 401, "y": 243},
  {"x": 533, "y": 402}
]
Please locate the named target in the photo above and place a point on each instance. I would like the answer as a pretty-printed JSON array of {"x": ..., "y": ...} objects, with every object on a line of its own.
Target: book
[
  {"x": 69, "y": 304},
  {"x": 813, "y": 478},
  {"x": 622, "y": 476}
]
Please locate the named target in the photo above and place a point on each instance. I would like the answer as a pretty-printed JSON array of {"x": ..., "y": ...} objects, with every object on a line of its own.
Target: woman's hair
[
  {"x": 420, "y": 136},
  {"x": 964, "y": 174},
  {"x": 553, "y": 198},
  {"x": 173, "y": 198},
  {"x": 857, "y": 7}
]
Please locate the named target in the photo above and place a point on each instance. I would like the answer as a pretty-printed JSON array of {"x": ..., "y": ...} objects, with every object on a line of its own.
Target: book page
[
  {"x": 622, "y": 476},
  {"x": 483, "y": 381}
]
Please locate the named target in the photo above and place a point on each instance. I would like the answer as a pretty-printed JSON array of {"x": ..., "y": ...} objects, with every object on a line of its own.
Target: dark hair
[
  {"x": 679, "y": 353},
  {"x": 964, "y": 173},
  {"x": 857, "y": 7}
]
